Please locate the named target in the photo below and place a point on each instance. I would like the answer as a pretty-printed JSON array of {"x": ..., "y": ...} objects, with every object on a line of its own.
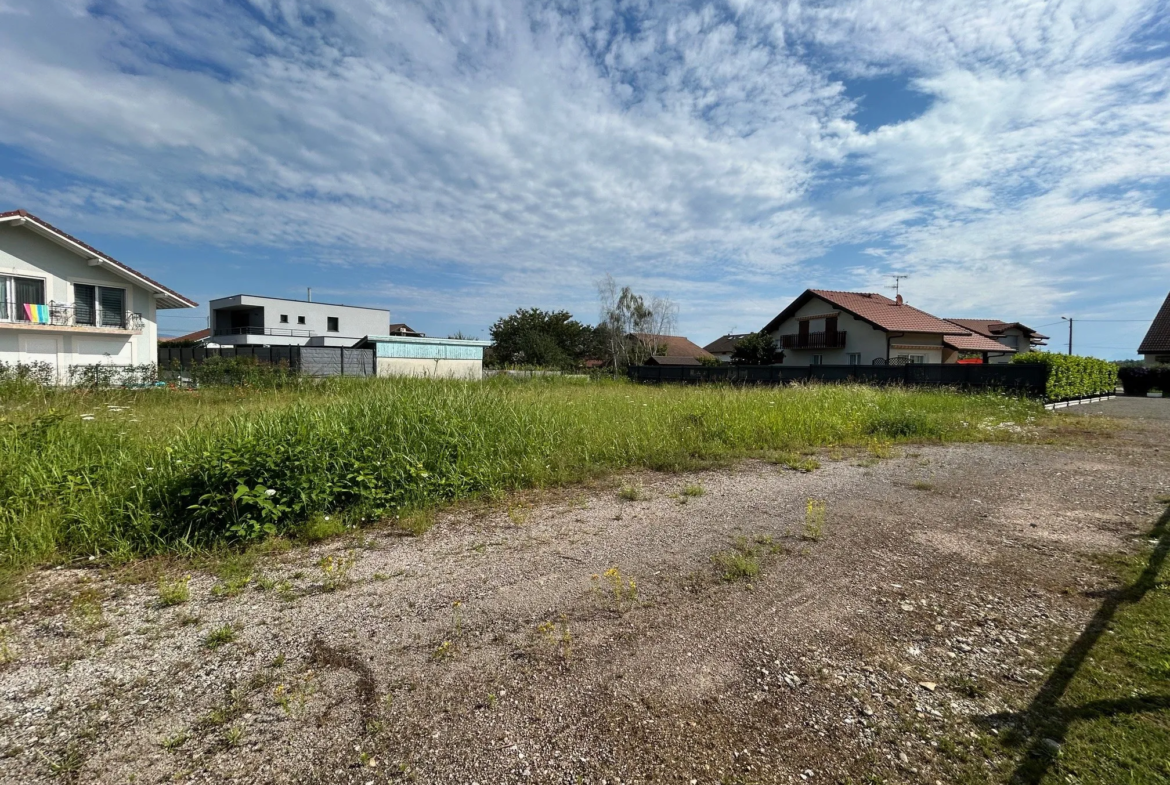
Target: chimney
[
  {"x": 309, "y": 297},
  {"x": 899, "y": 300}
]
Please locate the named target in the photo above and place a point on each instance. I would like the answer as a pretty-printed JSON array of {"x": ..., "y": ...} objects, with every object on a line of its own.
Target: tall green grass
[{"x": 138, "y": 472}]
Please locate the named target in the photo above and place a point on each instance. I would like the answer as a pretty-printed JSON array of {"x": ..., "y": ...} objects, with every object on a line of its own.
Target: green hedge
[{"x": 1070, "y": 376}]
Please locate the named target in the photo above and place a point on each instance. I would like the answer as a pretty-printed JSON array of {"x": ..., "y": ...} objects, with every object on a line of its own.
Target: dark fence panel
[
  {"x": 1028, "y": 379},
  {"x": 308, "y": 360}
]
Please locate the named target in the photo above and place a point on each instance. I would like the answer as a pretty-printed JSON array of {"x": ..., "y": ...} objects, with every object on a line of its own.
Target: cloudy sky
[{"x": 455, "y": 160}]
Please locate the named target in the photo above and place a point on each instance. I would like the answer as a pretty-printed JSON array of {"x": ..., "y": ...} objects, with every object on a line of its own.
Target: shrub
[
  {"x": 1071, "y": 376},
  {"x": 1139, "y": 380}
]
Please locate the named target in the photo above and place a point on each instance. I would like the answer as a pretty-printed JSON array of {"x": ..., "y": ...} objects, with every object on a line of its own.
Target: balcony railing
[
  {"x": 64, "y": 315},
  {"x": 823, "y": 340},
  {"x": 281, "y": 331}
]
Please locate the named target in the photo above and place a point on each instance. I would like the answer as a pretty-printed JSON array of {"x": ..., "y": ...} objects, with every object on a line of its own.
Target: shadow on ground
[{"x": 1042, "y": 727}]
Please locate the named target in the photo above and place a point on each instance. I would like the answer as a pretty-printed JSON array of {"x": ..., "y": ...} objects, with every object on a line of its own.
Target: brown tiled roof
[
  {"x": 975, "y": 343},
  {"x": 994, "y": 327},
  {"x": 198, "y": 335},
  {"x": 724, "y": 343},
  {"x": 673, "y": 345},
  {"x": 398, "y": 328},
  {"x": 877, "y": 309},
  {"x": 1158, "y": 337},
  {"x": 184, "y": 302}
]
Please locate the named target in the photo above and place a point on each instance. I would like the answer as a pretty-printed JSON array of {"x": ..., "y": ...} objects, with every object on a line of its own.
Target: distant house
[
  {"x": 65, "y": 303},
  {"x": 1013, "y": 335},
  {"x": 673, "y": 361},
  {"x": 822, "y": 327},
  {"x": 404, "y": 329},
  {"x": 251, "y": 320},
  {"x": 724, "y": 346},
  {"x": 197, "y": 338},
  {"x": 661, "y": 346},
  {"x": 1155, "y": 347}
]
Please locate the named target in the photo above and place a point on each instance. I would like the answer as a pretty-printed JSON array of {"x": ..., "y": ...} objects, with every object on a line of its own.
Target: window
[
  {"x": 1010, "y": 341},
  {"x": 331, "y": 324},
  {"x": 300, "y": 320},
  {"x": 16, "y": 293},
  {"x": 284, "y": 318},
  {"x": 855, "y": 359},
  {"x": 918, "y": 359},
  {"x": 818, "y": 359},
  {"x": 99, "y": 306}
]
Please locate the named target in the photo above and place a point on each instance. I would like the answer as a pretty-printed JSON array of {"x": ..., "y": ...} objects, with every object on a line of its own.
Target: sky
[{"x": 453, "y": 161}]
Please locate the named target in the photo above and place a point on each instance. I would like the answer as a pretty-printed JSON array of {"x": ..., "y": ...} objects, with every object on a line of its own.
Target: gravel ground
[{"x": 497, "y": 648}]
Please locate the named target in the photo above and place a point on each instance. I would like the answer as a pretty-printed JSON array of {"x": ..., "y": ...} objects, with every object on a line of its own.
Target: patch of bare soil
[{"x": 589, "y": 638}]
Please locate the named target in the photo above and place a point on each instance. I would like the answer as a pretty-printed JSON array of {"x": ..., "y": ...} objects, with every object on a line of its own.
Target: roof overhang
[{"x": 163, "y": 297}]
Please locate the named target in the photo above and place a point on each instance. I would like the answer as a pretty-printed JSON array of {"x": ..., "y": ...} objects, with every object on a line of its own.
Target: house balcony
[
  {"x": 823, "y": 340},
  {"x": 267, "y": 336},
  {"x": 61, "y": 317}
]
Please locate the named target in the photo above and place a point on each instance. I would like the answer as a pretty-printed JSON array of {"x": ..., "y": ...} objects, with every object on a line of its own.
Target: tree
[
  {"x": 629, "y": 327},
  {"x": 755, "y": 349},
  {"x": 550, "y": 339}
]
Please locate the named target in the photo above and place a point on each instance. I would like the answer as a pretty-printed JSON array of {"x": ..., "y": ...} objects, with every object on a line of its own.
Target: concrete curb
[{"x": 1077, "y": 401}]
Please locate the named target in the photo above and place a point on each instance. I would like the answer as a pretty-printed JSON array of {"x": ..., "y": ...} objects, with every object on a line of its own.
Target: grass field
[{"x": 118, "y": 474}]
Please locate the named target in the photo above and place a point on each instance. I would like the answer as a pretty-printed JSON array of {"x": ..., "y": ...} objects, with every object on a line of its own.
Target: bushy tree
[
  {"x": 629, "y": 326},
  {"x": 755, "y": 349},
  {"x": 549, "y": 339}
]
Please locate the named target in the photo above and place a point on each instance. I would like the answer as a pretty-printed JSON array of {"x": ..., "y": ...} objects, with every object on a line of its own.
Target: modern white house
[
  {"x": 252, "y": 320},
  {"x": 65, "y": 303},
  {"x": 822, "y": 327}
]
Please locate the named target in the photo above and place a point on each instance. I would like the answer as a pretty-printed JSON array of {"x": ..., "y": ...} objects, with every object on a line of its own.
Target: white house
[
  {"x": 824, "y": 327},
  {"x": 1015, "y": 336},
  {"x": 65, "y": 303},
  {"x": 253, "y": 320}
]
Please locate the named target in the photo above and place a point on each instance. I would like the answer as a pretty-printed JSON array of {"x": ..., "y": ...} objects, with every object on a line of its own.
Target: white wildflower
[{"x": 270, "y": 492}]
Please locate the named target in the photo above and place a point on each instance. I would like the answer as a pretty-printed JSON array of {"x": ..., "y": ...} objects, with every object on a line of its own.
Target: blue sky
[{"x": 454, "y": 161}]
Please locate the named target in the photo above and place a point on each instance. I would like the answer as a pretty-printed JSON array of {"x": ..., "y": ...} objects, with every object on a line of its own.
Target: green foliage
[
  {"x": 123, "y": 473},
  {"x": 99, "y": 376},
  {"x": 219, "y": 371},
  {"x": 755, "y": 349},
  {"x": 1139, "y": 380},
  {"x": 1073, "y": 376},
  {"x": 546, "y": 339}
]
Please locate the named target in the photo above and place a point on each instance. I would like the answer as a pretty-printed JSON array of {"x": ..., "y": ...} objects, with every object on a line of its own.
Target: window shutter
[
  {"x": 113, "y": 307},
  {"x": 84, "y": 304}
]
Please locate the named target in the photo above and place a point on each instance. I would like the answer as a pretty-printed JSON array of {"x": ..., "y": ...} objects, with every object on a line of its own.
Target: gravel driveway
[{"x": 586, "y": 637}]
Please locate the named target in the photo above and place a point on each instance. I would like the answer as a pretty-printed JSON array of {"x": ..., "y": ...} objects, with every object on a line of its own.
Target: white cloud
[{"x": 537, "y": 147}]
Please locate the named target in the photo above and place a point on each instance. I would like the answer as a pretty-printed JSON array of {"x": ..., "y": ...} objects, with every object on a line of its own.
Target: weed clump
[
  {"x": 220, "y": 636},
  {"x": 174, "y": 592},
  {"x": 814, "y": 520}
]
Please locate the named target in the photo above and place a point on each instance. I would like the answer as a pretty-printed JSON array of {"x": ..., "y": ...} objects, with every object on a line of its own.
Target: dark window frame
[{"x": 332, "y": 324}]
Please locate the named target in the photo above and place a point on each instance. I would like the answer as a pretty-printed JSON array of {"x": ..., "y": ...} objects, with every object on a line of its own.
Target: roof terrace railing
[{"x": 277, "y": 331}]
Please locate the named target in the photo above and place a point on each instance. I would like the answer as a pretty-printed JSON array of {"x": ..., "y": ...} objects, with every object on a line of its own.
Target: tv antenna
[{"x": 897, "y": 287}]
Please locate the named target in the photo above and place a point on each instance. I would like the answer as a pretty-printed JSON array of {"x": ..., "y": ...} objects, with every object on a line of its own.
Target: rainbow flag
[{"x": 37, "y": 314}]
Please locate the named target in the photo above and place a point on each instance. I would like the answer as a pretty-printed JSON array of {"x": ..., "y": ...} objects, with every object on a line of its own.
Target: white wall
[
  {"x": 860, "y": 337},
  {"x": 27, "y": 254},
  {"x": 432, "y": 368}
]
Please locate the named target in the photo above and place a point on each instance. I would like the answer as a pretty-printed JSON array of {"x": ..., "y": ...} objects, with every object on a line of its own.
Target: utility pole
[{"x": 1070, "y": 325}]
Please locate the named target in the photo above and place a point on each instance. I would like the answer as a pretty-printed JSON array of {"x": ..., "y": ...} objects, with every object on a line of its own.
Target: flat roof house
[
  {"x": 1155, "y": 347},
  {"x": 65, "y": 303},
  {"x": 824, "y": 327},
  {"x": 251, "y": 320}
]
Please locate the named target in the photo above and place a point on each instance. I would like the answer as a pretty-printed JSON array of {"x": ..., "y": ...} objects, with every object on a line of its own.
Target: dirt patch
[{"x": 585, "y": 637}]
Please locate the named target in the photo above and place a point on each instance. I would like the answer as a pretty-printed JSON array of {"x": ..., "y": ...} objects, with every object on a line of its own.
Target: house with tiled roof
[
  {"x": 671, "y": 349},
  {"x": 990, "y": 337},
  {"x": 723, "y": 347},
  {"x": 824, "y": 327},
  {"x": 64, "y": 303},
  {"x": 1155, "y": 347}
]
